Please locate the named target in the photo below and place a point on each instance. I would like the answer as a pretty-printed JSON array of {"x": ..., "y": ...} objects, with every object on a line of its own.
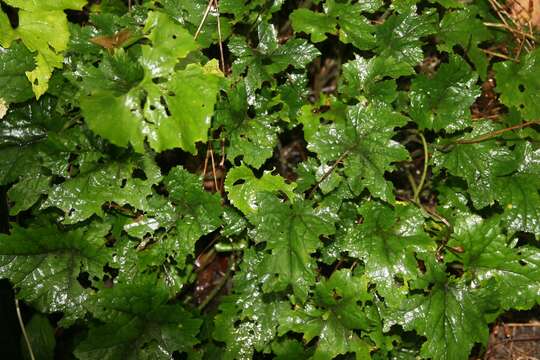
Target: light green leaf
[
  {"x": 313, "y": 23},
  {"x": 176, "y": 113},
  {"x": 244, "y": 188},
  {"x": 170, "y": 42},
  {"x": 45, "y": 264},
  {"x": 43, "y": 28}
]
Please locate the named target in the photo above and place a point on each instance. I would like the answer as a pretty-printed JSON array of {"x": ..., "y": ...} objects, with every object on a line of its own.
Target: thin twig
[
  {"x": 328, "y": 172},
  {"x": 221, "y": 56},
  {"x": 496, "y": 133},
  {"x": 214, "y": 170},
  {"x": 418, "y": 190},
  {"x": 206, "y": 12},
  {"x": 517, "y": 31},
  {"x": 23, "y": 330},
  {"x": 205, "y": 168},
  {"x": 502, "y": 56}
]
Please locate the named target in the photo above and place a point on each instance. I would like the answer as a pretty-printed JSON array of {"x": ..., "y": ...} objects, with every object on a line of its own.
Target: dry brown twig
[{"x": 519, "y": 18}]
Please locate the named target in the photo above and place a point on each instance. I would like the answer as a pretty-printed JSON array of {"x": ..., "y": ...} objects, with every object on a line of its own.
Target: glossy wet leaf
[
  {"x": 14, "y": 63},
  {"x": 252, "y": 138},
  {"x": 363, "y": 141},
  {"x": 400, "y": 36},
  {"x": 444, "y": 100},
  {"x": 246, "y": 321},
  {"x": 345, "y": 20},
  {"x": 388, "y": 242},
  {"x": 244, "y": 189},
  {"x": 291, "y": 232},
  {"x": 338, "y": 311},
  {"x": 370, "y": 78},
  {"x": 134, "y": 317},
  {"x": 489, "y": 254},
  {"x": 449, "y": 316},
  {"x": 268, "y": 58},
  {"x": 498, "y": 174},
  {"x": 519, "y": 85},
  {"x": 189, "y": 213},
  {"x": 43, "y": 28},
  {"x": 110, "y": 184},
  {"x": 46, "y": 263},
  {"x": 464, "y": 29}
]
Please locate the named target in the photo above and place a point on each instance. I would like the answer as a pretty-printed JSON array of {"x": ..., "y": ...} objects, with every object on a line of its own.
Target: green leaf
[
  {"x": 488, "y": 254},
  {"x": 170, "y": 42},
  {"x": 269, "y": 58},
  {"x": 189, "y": 213},
  {"x": 494, "y": 173},
  {"x": 463, "y": 28},
  {"x": 313, "y": 23},
  {"x": 137, "y": 317},
  {"x": 40, "y": 333},
  {"x": 291, "y": 232},
  {"x": 43, "y": 28},
  {"x": 14, "y": 63},
  {"x": 338, "y": 313},
  {"x": 369, "y": 78},
  {"x": 253, "y": 139},
  {"x": 444, "y": 100},
  {"x": 27, "y": 192},
  {"x": 247, "y": 321},
  {"x": 519, "y": 84},
  {"x": 388, "y": 242},
  {"x": 343, "y": 19},
  {"x": 244, "y": 188},
  {"x": 400, "y": 36},
  {"x": 46, "y": 263},
  {"x": 84, "y": 195},
  {"x": 190, "y": 14},
  {"x": 449, "y": 316},
  {"x": 363, "y": 141},
  {"x": 176, "y": 113},
  {"x": 7, "y": 33}
]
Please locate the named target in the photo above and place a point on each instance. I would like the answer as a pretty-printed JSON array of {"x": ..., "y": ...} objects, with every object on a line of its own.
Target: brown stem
[{"x": 496, "y": 133}]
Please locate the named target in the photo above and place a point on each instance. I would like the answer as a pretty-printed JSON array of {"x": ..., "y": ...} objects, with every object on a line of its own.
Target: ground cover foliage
[{"x": 353, "y": 179}]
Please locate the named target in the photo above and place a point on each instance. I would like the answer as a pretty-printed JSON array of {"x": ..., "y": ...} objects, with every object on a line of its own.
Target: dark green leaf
[
  {"x": 46, "y": 263},
  {"x": 444, "y": 100}
]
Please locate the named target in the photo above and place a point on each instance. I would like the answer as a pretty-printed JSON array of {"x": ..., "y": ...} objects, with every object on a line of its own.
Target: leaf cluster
[{"x": 156, "y": 210}]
